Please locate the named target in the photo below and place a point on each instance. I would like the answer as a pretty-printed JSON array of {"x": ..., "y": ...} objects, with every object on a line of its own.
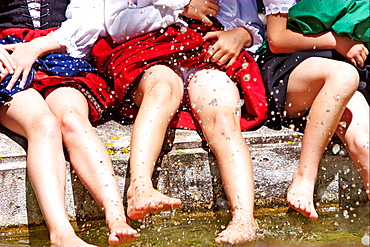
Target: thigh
[
  {"x": 212, "y": 89},
  {"x": 304, "y": 83},
  {"x": 23, "y": 111},
  {"x": 309, "y": 77},
  {"x": 67, "y": 99}
]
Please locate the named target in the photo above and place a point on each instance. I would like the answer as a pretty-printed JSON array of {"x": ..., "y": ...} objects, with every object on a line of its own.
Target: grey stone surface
[{"x": 186, "y": 169}]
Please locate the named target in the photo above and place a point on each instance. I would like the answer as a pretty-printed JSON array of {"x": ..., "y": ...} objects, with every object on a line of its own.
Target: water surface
[{"x": 277, "y": 228}]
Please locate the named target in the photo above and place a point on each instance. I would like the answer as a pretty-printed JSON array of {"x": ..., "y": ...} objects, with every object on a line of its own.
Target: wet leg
[
  {"x": 326, "y": 93},
  {"x": 90, "y": 160},
  {"x": 215, "y": 98},
  {"x": 28, "y": 115},
  {"x": 158, "y": 94},
  {"x": 354, "y": 133}
]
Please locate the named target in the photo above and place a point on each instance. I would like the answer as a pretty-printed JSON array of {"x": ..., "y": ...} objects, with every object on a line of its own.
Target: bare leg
[
  {"x": 326, "y": 89},
  {"x": 215, "y": 98},
  {"x": 90, "y": 160},
  {"x": 28, "y": 115},
  {"x": 354, "y": 133},
  {"x": 158, "y": 94}
]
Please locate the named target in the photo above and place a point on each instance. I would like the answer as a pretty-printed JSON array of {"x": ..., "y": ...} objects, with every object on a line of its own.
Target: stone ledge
[{"x": 186, "y": 170}]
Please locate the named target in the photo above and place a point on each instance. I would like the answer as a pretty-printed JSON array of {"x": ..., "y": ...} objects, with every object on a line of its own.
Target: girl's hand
[
  {"x": 7, "y": 65},
  {"x": 199, "y": 9},
  {"x": 24, "y": 55},
  {"x": 353, "y": 50},
  {"x": 228, "y": 46}
]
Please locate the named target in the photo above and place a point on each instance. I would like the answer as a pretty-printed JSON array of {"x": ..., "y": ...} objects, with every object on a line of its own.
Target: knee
[
  {"x": 162, "y": 84},
  {"x": 72, "y": 122},
  {"x": 163, "y": 92},
  {"x": 224, "y": 120},
  {"x": 359, "y": 144},
  {"x": 346, "y": 78},
  {"x": 47, "y": 124}
]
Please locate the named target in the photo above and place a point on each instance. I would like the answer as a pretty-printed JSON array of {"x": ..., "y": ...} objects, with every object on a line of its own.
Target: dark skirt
[{"x": 276, "y": 69}]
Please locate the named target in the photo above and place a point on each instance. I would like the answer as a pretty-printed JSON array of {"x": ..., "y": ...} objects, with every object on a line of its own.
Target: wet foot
[
  {"x": 241, "y": 229},
  {"x": 68, "y": 239},
  {"x": 300, "y": 197},
  {"x": 143, "y": 201},
  {"x": 120, "y": 233}
]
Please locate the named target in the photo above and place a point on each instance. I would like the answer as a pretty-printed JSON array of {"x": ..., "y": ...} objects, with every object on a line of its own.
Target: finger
[
  {"x": 3, "y": 73},
  {"x": 214, "y": 6},
  {"x": 231, "y": 61},
  {"x": 353, "y": 61},
  {"x": 363, "y": 56},
  {"x": 217, "y": 57},
  {"x": 12, "y": 81},
  {"x": 209, "y": 53},
  {"x": 211, "y": 35},
  {"x": 3, "y": 70},
  {"x": 223, "y": 60},
  {"x": 24, "y": 79},
  {"x": 207, "y": 21},
  {"x": 366, "y": 51},
  {"x": 10, "y": 47},
  {"x": 211, "y": 12},
  {"x": 7, "y": 62},
  {"x": 359, "y": 60}
]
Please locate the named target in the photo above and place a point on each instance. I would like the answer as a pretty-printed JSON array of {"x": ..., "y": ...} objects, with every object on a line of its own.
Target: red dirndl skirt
[
  {"x": 92, "y": 86},
  {"x": 124, "y": 63}
]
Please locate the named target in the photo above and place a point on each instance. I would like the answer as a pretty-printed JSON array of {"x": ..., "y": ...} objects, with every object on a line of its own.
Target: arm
[
  {"x": 25, "y": 54},
  {"x": 84, "y": 25},
  {"x": 283, "y": 40}
]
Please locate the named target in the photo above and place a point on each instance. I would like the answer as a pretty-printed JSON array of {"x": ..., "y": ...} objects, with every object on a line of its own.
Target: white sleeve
[
  {"x": 128, "y": 19},
  {"x": 84, "y": 25},
  {"x": 236, "y": 13},
  {"x": 278, "y": 6}
]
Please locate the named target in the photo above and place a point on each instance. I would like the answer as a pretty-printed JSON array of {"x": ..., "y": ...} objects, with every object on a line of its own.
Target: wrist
[
  {"x": 245, "y": 36},
  {"x": 46, "y": 45}
]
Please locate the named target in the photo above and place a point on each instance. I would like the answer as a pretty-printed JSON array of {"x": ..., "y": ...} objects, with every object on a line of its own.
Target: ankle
[
  {"x": 60, "y": 236},
  {"x": 240, "y": 213}
]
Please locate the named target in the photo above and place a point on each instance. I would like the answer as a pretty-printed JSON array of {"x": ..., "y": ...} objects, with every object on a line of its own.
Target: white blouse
[
  {"x": 84, "y": 25},
  {"x": 34, "y": 9},
  {"x": 123, "y": 20},
  {"x": 278, "y": 6}
]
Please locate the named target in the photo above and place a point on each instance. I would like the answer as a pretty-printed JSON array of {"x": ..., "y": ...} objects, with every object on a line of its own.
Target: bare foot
[
  {"x": 143, "y": 201},
  {"x": 241, "y": 229},
  {"x": 67, "y": 239},
  {"x": 300, "y": 197},
  {"x": 120, "y": 233}
]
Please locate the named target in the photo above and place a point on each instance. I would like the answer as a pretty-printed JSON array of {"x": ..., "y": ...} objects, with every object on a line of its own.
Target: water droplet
[
  {"x": 343, "y": 124},
  {"x": 247, "y": 77},
  {"x": 240, "y": 102},
  {"x": 343, "y": 152},
  {"x": 336, "y": 148},
  {"x": 183, "y": 30},
  {"x": 213, "y": 102}
]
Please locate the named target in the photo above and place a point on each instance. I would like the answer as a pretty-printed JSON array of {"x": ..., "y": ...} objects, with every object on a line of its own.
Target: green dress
[{"x": 345, "y": 17}]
